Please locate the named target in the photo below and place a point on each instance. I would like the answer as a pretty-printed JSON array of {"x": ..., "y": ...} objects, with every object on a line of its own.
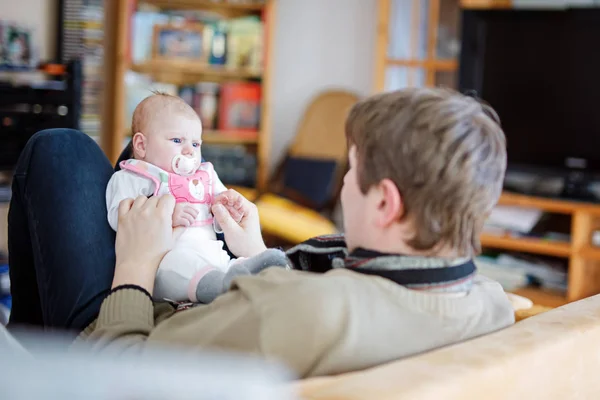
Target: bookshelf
[
  {"x": 117, "y": 62},
  {"x": 416, "y": 45}
]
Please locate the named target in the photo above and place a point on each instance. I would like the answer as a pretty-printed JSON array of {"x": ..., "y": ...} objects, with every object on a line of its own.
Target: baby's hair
[{"x": 154, "y": 104}]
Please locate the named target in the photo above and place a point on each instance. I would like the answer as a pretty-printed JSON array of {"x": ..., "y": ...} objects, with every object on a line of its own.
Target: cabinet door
[
  {"x": 448, "y": 31},
  {"x": 399, "y": 77},
  {"x": 408, "y": 26},
  {"x": 447, "y": 79},
  {"x": 418, "y": 43}
]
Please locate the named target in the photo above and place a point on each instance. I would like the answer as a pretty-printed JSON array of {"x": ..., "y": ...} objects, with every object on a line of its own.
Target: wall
[
  {"x": 318, "y": 45},
  {"x": 38, "y": 14}
]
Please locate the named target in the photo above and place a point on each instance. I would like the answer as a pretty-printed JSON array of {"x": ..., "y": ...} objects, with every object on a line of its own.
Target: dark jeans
[{"x": 61, "y": 247}]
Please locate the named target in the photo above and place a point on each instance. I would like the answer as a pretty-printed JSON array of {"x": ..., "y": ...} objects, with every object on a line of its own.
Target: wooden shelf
[
  {"x": 486, "y": 4},
  {"x": 184, "y": 72},
  {"x": 222, "y": 137},
  {"x": 530, "y": 245},
  {"x": 542, "y": 297},
  {"x": 217, "y": 6},
  {"x": 229, "y": 137},
  {"x": 548, "y": 204},
  {"x": 439, "y": 65}
]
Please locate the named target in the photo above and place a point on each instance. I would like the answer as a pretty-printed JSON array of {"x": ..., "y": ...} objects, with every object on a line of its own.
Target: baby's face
[{"x": 169, "y": 137}]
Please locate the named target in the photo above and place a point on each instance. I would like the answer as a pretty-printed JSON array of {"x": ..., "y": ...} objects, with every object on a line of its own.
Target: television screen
[{"x": 540, "y": 70}]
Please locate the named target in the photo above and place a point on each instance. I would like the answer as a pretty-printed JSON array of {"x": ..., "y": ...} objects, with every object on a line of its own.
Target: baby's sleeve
[
  {"x": 219, "y": 187},
  {"x": 124, "y": 185}
]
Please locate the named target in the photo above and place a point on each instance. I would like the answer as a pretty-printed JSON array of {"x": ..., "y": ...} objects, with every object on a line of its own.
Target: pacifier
[{"x": 184, "y": 166}]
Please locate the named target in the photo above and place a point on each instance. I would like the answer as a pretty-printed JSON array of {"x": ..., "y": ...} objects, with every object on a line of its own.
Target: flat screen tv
[{"x": 540, "y": 70}]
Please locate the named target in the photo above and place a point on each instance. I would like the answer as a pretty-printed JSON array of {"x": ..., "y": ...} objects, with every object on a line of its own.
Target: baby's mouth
[{"x": 183, "y": 165}]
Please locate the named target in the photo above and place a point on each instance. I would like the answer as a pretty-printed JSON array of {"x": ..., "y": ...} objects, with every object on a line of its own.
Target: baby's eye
[
  {"x": 196, "y": 144},
  {"x": 176, "y": 140}
]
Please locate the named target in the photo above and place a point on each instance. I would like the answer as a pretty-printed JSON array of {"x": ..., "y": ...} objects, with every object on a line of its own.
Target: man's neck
[{"x": 397, "y": 243}]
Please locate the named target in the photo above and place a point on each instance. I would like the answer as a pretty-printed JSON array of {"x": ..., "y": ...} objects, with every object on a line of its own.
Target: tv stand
[
  {"x": 577, "y": 187},
  {"x": 583, "y": 256}
]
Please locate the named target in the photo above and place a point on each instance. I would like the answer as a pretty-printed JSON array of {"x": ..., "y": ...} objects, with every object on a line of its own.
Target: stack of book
[
  {"x": 82, "y": 36},
  {"x": 514, "y": 270},
  {"x": 231, "y": 106}
]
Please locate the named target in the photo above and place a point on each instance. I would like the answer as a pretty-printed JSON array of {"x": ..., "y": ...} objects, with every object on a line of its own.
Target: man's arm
[
  {"x": 125, "y": 321},
  {"x": 278, "y": 315}
]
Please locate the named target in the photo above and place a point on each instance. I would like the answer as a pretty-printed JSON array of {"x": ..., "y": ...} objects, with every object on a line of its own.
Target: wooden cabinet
[
  {"x": 583, "y": 258},
  {"x": 417, "y": 43}
]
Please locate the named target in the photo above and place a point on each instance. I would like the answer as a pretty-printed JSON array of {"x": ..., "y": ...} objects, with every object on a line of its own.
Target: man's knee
[
  {"x": 50, "y": 143},
  {"x": 58, "y": 136}
]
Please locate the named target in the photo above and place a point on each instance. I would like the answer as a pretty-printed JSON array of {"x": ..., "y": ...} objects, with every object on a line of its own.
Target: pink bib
[{"x": 195, "y": 189}]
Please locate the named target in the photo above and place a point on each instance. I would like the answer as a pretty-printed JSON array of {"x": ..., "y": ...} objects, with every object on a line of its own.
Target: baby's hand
[
  {"x": 184, "y": 215},
  {"x": 233, "y": 202}
]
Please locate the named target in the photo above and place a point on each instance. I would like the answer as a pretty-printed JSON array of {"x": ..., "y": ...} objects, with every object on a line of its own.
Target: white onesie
[{"x": 197, "y": 250}]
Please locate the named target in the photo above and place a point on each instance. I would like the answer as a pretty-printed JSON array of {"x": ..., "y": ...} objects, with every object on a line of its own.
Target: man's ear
[
  {"x": 391, "y": 206},
  {"x": 139, "y": 145}
]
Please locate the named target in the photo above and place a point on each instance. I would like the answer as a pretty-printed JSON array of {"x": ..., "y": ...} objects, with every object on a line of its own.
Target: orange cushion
[{"x": 287, "y": 220}]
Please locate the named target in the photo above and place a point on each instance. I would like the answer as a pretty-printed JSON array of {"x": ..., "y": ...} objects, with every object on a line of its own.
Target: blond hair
[{"x": 445, "y": 152}]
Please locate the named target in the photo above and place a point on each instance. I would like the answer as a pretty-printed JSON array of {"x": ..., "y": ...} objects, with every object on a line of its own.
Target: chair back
[{"x": 312, "y": 170}]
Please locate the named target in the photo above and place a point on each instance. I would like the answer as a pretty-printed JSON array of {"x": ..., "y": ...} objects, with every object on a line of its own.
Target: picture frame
[
  {"x": 179, "y": 42},
  {"x": 15, "y": 46}
]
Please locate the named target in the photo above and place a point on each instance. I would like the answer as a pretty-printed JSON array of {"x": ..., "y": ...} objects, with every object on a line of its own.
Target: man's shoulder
[{"x": 301, "y": 289}]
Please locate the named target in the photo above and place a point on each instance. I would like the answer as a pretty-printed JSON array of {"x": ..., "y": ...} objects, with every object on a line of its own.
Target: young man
[{"x": 426, "y": 167}]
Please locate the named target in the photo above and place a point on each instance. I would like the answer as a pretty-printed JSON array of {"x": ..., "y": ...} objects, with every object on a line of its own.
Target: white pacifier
[{"x": 184, "y": 166}]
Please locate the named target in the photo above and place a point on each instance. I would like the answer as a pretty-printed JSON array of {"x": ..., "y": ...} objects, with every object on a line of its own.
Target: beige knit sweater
[{"x": 316, "y": 324}]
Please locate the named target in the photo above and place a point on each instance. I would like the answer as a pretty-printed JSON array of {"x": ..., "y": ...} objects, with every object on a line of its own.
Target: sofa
[{"x": 552, "y": 355}]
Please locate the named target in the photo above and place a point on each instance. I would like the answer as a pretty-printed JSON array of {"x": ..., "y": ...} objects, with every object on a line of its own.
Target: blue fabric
[
  {"x": 313, "y": 179},
  {"x": 61, "y": 247}
]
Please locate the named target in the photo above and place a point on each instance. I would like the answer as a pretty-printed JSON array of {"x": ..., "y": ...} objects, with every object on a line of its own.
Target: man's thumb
[{"x": 222, "y": 216}]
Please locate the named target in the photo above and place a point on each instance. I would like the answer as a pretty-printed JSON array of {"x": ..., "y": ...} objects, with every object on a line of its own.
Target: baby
[{"x": 167, "y": 135}]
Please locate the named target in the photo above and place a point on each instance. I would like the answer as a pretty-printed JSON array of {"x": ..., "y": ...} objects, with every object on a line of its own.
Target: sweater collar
[{"x": 436, "y": 274}]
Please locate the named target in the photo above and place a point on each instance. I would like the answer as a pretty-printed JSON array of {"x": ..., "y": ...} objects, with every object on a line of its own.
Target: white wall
[
  {"x": 38, "y": 14},
  {"x": 319, "y": 44}
]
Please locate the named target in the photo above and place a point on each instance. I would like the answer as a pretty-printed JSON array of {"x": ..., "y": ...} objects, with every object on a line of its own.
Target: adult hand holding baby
[
  {"x": 144, "y": 236},
  {"x": 239, "y": 221}
]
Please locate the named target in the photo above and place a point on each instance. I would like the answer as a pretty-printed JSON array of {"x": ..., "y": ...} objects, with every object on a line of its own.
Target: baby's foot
[{"x": 266, "y": 259}]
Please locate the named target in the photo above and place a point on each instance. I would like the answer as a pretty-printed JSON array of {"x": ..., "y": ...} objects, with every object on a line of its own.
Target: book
[
  {"x": 206, "y": 103},
  {"x": 244, "y": 47},
  {"x": 239, "y": 106}
]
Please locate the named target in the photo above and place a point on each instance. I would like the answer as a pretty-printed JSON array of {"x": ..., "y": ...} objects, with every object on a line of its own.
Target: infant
[{"x": 166, "y": 144}]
